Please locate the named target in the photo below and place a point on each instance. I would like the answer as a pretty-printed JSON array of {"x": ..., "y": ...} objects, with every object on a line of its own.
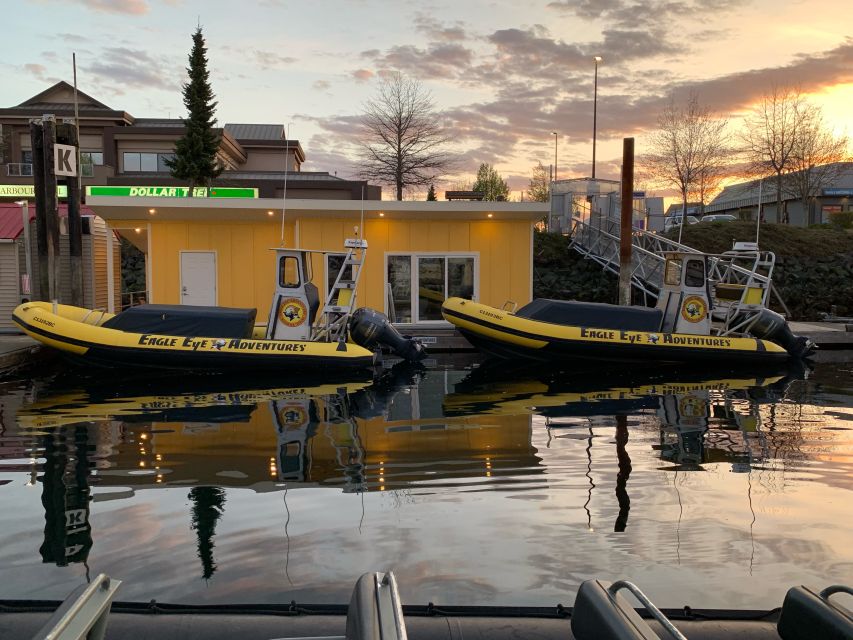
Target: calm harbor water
[{"x": 476, "y": 486}]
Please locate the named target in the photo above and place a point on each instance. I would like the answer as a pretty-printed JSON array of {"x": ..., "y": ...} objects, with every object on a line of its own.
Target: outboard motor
[
  {"x": 369, "y": 328},
  {"x": 771, "y": 326}
]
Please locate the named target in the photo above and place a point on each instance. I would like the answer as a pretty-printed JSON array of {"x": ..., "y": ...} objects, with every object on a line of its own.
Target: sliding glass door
[{"x": 417, "y": 284}]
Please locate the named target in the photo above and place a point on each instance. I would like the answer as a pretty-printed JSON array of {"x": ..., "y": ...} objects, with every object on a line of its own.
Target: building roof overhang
[{"x": 116, "y": 209}]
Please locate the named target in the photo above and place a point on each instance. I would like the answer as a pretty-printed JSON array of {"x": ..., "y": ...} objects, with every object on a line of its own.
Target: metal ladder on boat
[{"x": 340, "y": 302}]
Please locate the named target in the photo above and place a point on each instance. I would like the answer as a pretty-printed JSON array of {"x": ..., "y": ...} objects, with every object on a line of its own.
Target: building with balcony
[{"x": 117, "y": 148}]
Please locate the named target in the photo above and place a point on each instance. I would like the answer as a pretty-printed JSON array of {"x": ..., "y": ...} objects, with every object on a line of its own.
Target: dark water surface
[{"x": 474, "y": 486}]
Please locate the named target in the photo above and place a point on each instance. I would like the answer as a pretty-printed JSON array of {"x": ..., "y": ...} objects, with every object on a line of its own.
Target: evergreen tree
[
  {"x": 195, "y": 152},
  {"x": 490, "y": 183},
  {"x": 431, "y": 194}
]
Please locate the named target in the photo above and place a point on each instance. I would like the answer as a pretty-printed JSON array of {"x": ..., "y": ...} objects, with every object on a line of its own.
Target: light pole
[
  {"x": 555, "y": 134},
  {"x": 595, "y": 112},
  {"x": 25, "y": 216}
]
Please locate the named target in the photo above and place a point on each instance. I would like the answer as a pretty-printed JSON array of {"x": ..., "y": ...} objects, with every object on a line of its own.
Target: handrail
[{"x": 648, "y": 604}]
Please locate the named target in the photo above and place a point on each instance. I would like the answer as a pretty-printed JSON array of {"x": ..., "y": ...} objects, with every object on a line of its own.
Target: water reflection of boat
[
  {"x": 359, "y": 436},
  {"x": 560, "y": 392}
]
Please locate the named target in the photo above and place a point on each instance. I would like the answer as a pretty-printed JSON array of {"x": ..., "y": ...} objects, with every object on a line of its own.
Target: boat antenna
[
  {"x": 284, "y": 193},
  {"x": 758, "y": 217},
  {"x": 361, "y": 222}
]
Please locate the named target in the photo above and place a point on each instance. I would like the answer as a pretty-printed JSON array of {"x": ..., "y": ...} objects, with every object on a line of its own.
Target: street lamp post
[
  {"x": 554, "y": 133},
  {"x": 595, "y": 113}
]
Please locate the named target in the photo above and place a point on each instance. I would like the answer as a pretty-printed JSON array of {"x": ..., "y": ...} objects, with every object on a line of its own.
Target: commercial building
[
  {"x": 831, "y": 191},
  {"x": 120, "y": 149}
]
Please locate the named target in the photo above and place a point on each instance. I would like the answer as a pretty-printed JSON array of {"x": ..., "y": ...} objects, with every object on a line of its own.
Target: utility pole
[
  {"x": 67, "y": 134},
  {"x": 625, "y": 237}
]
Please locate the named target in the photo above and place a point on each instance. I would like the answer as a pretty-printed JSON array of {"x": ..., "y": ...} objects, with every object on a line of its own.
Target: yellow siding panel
[
  {"x": 242, "y": 267},
  {"x": 419, "y": 235},
  {"x": 459, "y": 236}
]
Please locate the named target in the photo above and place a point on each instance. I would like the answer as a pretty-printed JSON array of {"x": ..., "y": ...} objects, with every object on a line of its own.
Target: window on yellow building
[{"x": 416, "y": 285}]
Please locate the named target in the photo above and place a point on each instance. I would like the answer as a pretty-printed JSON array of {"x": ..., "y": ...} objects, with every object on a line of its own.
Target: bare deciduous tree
[
  {"x": 815, "y": 161},
  {"x": 689, "y": 150},
  {"x": 771, "y": 133},
  {"x": 403, "y": 140}
]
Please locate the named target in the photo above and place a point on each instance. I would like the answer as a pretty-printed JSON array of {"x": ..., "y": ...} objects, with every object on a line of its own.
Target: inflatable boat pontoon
[
  {"x": 710, "y": 309},
  {"x": 299, "y": 336}
]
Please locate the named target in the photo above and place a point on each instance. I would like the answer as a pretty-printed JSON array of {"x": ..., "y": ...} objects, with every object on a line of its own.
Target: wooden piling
[{"x": 625, "y": 237}]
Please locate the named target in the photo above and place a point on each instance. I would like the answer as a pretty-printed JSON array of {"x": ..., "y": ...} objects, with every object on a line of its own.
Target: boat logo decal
[
  {"x": 293, "y": 415},
  {"x": 694, "y": 309},
  {"x": 217, "y": 346},
  {"x": 293, "y": 312},
  {"x": 653, "y": 338}
]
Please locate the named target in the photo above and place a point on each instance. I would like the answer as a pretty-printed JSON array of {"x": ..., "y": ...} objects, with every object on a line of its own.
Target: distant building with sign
[
  {"x": 118, "y": 149},
  {"x": 826, "y": 197}
]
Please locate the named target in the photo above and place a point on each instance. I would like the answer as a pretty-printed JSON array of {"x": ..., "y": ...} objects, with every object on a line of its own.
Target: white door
[{"x": 198, "y": 278}]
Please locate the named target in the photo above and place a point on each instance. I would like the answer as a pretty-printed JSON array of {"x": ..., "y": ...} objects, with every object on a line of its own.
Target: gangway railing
[{"x": 598, "y": 238}]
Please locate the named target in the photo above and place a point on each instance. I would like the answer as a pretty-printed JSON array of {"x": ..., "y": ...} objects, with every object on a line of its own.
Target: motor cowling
[
  {"x": 771, "y": 326},
  {"x": 370, "y": 328}
]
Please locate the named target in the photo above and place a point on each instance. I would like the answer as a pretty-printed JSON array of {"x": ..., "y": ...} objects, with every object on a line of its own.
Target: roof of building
[
  {"x": 62, "y": 87},
  {"x": 745, "y": 194},
  {"x": 255, "y": 131},
  {"x": 12, "y": 223},
  {"x": 158, "y": 122}
]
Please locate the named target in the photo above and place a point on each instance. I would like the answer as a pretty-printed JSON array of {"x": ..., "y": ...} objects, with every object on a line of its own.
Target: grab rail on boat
[
  {"x": 91, "y": 311},
  {"x": 83, "y": 614},
  {"x": 648, "y": 604}
]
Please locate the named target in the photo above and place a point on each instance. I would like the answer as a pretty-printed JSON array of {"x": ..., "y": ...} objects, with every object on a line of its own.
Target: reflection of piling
[
  {"x": 624, "y": 472},
  {"x": 65, "y": 497}
]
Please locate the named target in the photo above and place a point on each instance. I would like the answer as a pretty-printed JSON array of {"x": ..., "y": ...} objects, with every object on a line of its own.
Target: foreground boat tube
[
  {"x": 506, "y": 335},
  {"x": 78, "y": 333}
]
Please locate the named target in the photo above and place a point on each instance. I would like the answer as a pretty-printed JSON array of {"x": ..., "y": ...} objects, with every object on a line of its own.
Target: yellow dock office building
[{"x": 216, "y": 251}]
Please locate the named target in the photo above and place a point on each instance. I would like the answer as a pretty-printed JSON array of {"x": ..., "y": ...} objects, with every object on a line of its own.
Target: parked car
[
  {"x": 673, "y": 221},
  {"x": 718, "y": 217}
]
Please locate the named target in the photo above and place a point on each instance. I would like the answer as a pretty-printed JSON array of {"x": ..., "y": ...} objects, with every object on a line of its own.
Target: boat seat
[
  {"x": 592, "y": 314},
  {"x": 185, "y": 320},
  {"x": 806, "y": 614}
]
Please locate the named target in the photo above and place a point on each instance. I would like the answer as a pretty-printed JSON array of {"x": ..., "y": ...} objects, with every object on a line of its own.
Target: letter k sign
[{"x": 64, "y": 160}]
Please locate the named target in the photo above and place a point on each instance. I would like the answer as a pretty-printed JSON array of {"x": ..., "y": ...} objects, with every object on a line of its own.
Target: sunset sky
[{"x": 503, "y": 74}]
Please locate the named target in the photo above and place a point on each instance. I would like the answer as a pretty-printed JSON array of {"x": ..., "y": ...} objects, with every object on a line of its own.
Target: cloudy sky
[{"x": 503, "y": 74}]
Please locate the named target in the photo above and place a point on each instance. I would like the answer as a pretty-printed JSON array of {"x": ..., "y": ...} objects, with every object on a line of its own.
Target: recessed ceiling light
[
  {"x": 152, "y": 211},
  {"x": 138, "y": 230},
  {"x": 490, "y": 215},
  {"x": 381, "y": 215},
  {"x": 269, "y": 213}
]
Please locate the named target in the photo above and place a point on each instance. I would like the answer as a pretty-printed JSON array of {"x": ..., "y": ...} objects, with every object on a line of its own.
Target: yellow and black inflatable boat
[
  {"x": 179, "y": 337},
  {"x": 692, "y": 322},
  {"x": 552, "y": 330}
]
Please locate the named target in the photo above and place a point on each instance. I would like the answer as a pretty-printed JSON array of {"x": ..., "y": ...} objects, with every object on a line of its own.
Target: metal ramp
[{"x": 598, "y": 238}]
